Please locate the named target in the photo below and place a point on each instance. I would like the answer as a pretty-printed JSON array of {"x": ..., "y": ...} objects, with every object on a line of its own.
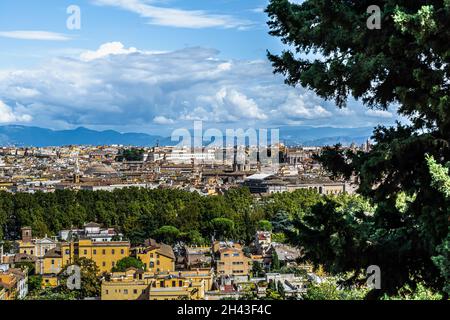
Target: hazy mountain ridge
[{"x": 16, "y": 135}]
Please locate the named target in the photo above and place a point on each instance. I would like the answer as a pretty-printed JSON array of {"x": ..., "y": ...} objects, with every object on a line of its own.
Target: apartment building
[
  {"x": 104, "y": 254},
  {"x": 231, "y": 260},
  {"x": 157, "y": 257},
  {"x": 136, "y": 284}
]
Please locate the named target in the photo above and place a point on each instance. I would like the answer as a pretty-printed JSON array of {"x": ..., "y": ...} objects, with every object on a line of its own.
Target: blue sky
[{"x": 151, "y": 66}]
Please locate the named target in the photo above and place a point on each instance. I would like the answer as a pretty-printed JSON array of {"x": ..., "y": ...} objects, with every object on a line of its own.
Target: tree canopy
[
  {"x": 123, "y": 264},
  {"x": 402, "y": 65}
]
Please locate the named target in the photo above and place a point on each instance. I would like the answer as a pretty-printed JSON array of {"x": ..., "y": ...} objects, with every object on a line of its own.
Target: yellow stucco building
[
  {"x": 139, "y": 285},
  {"x": 157, "y": 257},
  {"x": 231, "y": 260},
  {"x": 104, "y": 254}
]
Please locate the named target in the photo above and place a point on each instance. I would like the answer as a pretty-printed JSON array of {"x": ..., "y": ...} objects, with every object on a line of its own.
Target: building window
[
  {"x": 31, "y": 251},
  {"x": 107, "y": 292},
  {"x": 104, "y": 263},
  {"x": 174, "y": 283},
  {"x": 94, "y": 251},
  {"x": 53, "y": 261},
  {"x": 135, "y": 291},
  {"x": 125, "y": 291},
  {"x": 161, "y": 284},
  {"x": 113, "y": 251},
  {"x": 180, "y": 283},
  {"x": 151, "y": 255},
  {"x": 122, "y": 251},
  {"x": 67, "y": 251},
  {"x": 152, "y": 264},
  {"x": 85, "y": 252},
  {"x": 103, "y": 251},
  {"x": 157, "y": 262}
]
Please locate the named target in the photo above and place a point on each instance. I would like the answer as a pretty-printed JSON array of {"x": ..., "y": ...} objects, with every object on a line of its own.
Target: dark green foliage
[
  {"x": 257, "y": 270},
  {"x": 34, "y": 283},
  {"x": 265, "y": 225},
  {"x": 330, "y": 290},
  {"x": 167, "y": 234},
  {"x": 280, "y": 289},
  {"x": 406, "y": 63},
  {"x": 130, "y": 155},
  {"x": 139, "y": 213},
  {"x": 275, "y": 262},
  {"x": 223, "y": 228},
  {"x": 123, "y": 264},
  {"x": 90, "y": 282}
]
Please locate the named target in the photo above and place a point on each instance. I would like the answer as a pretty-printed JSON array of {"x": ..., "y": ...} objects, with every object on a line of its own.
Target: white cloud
[
  {"x": 34, "y": 35},
  {"x": 300, "y": 107},
  {"x": 7, "y": 115},
  {"x": 231, "y": 105},
  {"x": 107, "y": 49},
  {"x": 163, "y": 120},
  {"x": 116, "y": 87},
  {"x": 164, "y": 16}
]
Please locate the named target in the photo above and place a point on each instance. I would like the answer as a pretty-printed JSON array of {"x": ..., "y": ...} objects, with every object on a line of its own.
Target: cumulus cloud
[
  {"x": 296, "y": 107},
  {"x": 119, "y": 87},
  {"x": 172, "y": 17},
  {"x": 34, "y": 35},
  {"x": 107, "y": 49},
  {"x": 7, "y": 115},
  {"x": 230, "y": 105}
]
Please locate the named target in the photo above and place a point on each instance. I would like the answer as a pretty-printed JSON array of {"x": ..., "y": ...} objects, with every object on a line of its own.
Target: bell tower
[{"x": 26, "y": 234}]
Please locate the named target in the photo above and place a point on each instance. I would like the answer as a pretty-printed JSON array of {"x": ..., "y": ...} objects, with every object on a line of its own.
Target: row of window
[
  {"x": 234, "y": 263},
  {"x": 234, "y": 254},
  {"x": 32, "y": 251},
  {"x": 125, "y": 291},
  {"x": 94, "y": 251},
  {"x": 162, "y": 284}
]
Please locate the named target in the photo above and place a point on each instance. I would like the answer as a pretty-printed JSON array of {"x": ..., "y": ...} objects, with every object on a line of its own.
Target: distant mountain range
[
  {"x": 322, "y": 136},
  {"x": 16, "y": 135}
]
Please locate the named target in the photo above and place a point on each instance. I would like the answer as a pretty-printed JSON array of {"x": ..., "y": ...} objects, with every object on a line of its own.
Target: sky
[{"x": 152, "y": 66}]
